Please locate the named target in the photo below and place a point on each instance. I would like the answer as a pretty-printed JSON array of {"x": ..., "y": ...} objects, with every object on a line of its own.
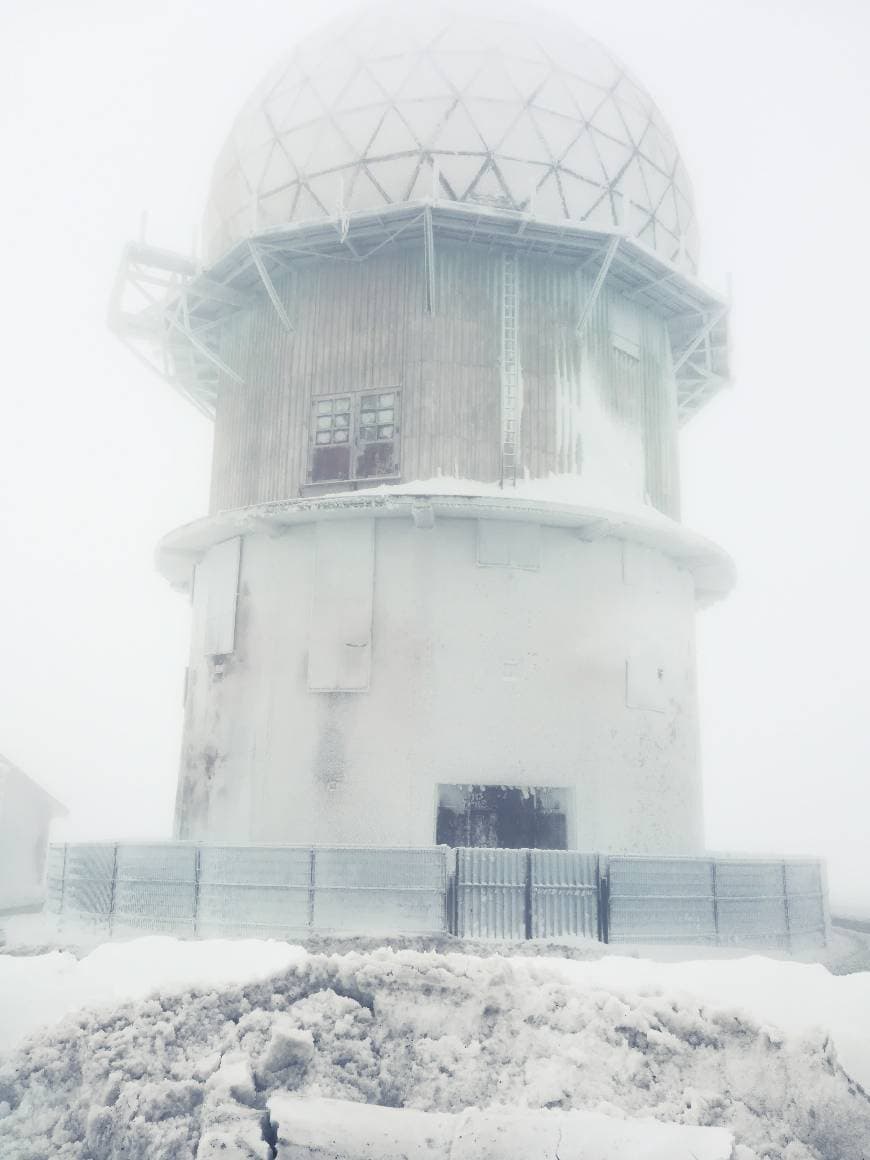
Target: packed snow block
[
  {"x": 255, "y": 890},
  {"x": 380, "y": 891},
  {"x": 322, "y": 1129},
  {"x": 289, "y": 1047}
]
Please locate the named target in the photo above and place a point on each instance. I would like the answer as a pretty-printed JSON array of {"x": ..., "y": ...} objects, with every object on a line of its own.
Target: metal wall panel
[
  {"x": 218, "y": 574},
  {"x": 564, "y": 894},
  {"x": 364, "y": 325},
  {"x": 491, "y": 887}
]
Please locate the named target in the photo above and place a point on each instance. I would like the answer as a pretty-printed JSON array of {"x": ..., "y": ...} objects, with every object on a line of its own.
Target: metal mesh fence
[
  {"x": 284, "y": 891},
  {"x": 718, "y": 901},
  {"x": 266, "y": 891}
]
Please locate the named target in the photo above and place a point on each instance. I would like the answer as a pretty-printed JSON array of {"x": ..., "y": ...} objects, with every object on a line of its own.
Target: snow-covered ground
[{"x": 737, "y": 1058}]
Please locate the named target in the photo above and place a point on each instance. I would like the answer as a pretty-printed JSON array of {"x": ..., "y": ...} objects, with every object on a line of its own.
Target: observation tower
[{"x": 447, "y": 324}]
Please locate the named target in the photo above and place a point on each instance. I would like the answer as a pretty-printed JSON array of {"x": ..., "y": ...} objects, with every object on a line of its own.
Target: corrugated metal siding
[
  {"x": 361, "y": 325},
  {"x": 564, "y": 894},
  {"x": 491, "y": 893}
]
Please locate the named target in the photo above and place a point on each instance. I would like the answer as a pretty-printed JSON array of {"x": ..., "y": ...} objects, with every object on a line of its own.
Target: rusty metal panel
[
  {"x": 563, "y": 894},
  {"x": 491, "y": 888},
  {"x": 661, "y": 900}
]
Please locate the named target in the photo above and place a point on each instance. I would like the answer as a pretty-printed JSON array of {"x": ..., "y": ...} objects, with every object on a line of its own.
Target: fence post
[
  {"x": 312, "y": 855},
  {"x": 528, "y": 895},
  {"x": 60, "y": 908},
  {"x": 196, "y": 892},
  {"x": 785, "y": 907},
  {"x": 604, "y": 901},
  {"x": 112, "y": 893},
  {"x": 714, "y": 886}
]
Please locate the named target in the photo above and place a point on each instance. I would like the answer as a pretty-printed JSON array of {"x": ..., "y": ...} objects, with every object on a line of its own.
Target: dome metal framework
[
  {"x": 519, "y": 111},
  {"x": 514, "y": 131}
]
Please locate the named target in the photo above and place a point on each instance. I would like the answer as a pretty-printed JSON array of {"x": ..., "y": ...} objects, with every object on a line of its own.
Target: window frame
[{"x": 355, "y": 443}]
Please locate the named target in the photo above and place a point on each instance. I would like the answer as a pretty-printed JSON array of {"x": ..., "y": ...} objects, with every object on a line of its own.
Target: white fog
[{"x": 112, "y": 113}]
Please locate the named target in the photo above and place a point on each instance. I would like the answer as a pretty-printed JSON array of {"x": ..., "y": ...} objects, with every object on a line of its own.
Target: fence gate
[{"x": 519, "y": 894}]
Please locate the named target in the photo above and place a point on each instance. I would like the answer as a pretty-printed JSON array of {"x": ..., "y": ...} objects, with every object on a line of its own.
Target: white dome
[{"x": 518, "y": 110}]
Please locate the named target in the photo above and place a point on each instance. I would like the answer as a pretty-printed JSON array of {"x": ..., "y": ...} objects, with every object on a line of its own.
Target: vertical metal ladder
[{"x": 510, "y": 373}]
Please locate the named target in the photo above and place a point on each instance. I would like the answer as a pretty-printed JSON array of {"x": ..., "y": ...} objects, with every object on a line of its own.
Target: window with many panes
[{"x": 354, "y": 436}]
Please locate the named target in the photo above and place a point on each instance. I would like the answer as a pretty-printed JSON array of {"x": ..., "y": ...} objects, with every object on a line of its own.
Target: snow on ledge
[
  {"x": 557, "y": 501},
  {"x": 316, "y": 1129}
]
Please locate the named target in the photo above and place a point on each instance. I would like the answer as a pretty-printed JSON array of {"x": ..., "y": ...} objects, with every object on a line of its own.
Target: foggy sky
[{"x": 109, "y": 107}]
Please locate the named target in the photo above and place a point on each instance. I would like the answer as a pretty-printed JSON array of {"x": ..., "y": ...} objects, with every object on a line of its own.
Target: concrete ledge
[
  {"x": 322, "y": 1129},
  {"x": 711, "y": 567}
]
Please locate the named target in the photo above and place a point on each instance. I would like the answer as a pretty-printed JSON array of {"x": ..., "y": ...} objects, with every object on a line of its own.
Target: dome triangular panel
[
  {"x": 614, "y": 154},
  {"x": 295, "y": 107},
  {"x": 424, "y": 82},
  {"x": 425, "y": 119},
  {"x": 392, "y": 136},
  {"x": 549, "y": 202},
  {"x": 521, "y": 179},
  {"x": 558, "y": 133},
  {"x": 362, "y": 90},
  {"x": 459, "y": 172},
  {"x": 555, "y": 96},
  {"x": 459, "y": 68},
  {"x": 459, "y": 134}
]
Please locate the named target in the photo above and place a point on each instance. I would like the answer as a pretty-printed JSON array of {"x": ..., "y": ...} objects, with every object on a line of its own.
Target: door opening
[{"x": 507, "y": 816}]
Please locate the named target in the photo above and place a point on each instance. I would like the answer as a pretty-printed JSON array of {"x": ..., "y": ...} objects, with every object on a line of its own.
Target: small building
[
  {"x": 447, "y": 324},
  {"x": 26, "y": 814}
]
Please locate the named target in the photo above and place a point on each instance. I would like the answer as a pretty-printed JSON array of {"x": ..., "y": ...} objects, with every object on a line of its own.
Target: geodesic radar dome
[{"x": 517, "y": 110}]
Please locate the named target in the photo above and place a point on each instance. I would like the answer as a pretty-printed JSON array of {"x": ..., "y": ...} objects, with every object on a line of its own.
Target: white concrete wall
[
  {"x": 25, "y": 816},
  {"x": 579, "y": 672}
]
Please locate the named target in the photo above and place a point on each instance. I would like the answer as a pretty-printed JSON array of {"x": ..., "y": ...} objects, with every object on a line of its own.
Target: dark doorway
[{"x": 505, "y": 816}]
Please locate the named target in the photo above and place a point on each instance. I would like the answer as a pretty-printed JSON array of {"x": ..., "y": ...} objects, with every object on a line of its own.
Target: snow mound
[{"x": 184, "y": 1074}]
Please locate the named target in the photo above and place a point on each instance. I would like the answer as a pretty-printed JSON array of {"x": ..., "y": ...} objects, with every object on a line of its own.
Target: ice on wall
[{"x": 177, "y": 1072}]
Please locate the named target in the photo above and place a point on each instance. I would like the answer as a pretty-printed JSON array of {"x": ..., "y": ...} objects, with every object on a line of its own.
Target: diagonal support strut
[
  {"x": 610, "y": 254},
  {"x": 712, "y": 322},
  {"x": 280, "y": 309}
]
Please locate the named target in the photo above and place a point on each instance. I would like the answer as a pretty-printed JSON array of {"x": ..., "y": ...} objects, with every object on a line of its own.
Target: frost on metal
[{"x": 391, "y": 105}]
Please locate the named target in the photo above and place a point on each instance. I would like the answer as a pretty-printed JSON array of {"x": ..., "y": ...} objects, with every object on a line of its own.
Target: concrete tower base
[{"x": 401, "y": 669}]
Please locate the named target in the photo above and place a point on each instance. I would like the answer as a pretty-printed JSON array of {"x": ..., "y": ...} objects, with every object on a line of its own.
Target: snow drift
[{"x": 192, "y": 1072}]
